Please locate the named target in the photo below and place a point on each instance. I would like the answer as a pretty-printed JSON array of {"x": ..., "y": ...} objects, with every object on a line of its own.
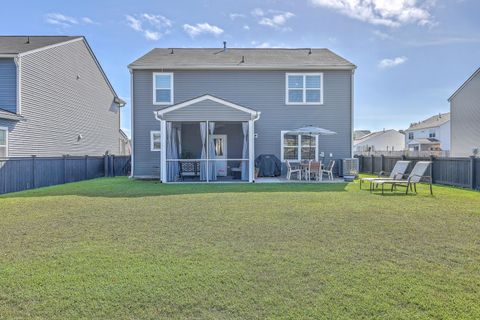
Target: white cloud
[
  {"x": 202, "y": 28},
  {"x": 134, "y": 23},
  {"x": 390, "y": 63},
  {"x": 246, "y": 27},
  {"x": 234, "y": 16},
  {"x": 382, "y": 35},
  {"x": 391, "y": 13},
  {"x": 257, "y": 12},
  {"x": 277, "y": 21},
  {"x": 152, "y": 26},
  {"x": 88, "y": 20},
  {"x": 60, "y": 19}
]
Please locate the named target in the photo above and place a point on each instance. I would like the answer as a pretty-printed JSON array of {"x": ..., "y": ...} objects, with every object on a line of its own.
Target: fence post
[
  {"x": 373, "y": 163},
  {"x": 113, "y": 165},
  {"x": 473, "y": 177},
  {"x": 105, "y": 165},
  {"x": 432, "y": 159},
  {"x": 33, "y": 171},
  {"x": 64, "y": 168},
  {"x": 86, "y": 167},
  {"x": 382, "y": 168}
]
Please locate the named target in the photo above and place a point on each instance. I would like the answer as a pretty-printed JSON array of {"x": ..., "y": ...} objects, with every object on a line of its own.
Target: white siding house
[
  {"x": 432, "y": 134},
  {"x": 385, "y": 140}
]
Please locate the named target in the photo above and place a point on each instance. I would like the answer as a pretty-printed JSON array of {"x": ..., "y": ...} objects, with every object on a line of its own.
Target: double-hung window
[
  {"x": 299, "y": 147},
  {"x": 162, "y": 88},
  {"x": 155, "y": 141},
  {"x": 431, "y": 133},
  {"x": 304, "y": 88},
  {"x": 410, "y": 136},
  {"x": 3, "y": 142}
]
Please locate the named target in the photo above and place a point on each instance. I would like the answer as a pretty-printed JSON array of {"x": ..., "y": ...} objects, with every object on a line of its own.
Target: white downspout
[
  {"x": 163, "y": 147},
  {"x": 18, "y": 63},
  {"x": 251, "y": 144}
]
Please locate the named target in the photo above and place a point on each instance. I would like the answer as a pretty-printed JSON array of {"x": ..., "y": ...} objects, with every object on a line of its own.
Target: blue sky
[{"x": 411, "y": 54}]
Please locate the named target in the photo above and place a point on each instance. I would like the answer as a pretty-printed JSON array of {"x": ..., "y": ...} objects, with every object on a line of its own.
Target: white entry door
[{"x": 220, "y": 144}]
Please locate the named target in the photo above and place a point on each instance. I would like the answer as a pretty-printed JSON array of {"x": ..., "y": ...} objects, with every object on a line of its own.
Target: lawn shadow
[{"x": 122, "y": 187}]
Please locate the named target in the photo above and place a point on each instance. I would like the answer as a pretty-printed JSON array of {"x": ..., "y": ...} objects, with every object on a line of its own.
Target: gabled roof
[
  {"x": 241, "y": 58},
  {"x": 190, "y": 102},
  {"x": 464, "y": 84},
  {"x": 21, "y": 44},
  {"x": 431, "y": 122},
  {"x": 372, "y": 135}
]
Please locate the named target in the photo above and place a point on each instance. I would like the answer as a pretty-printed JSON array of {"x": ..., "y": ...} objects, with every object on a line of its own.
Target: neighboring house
[
  {"x": 125, "y": 144},
  {"x": 432, "y": 134},
  {"x": 207, "y": 113},
  {"x": 381, "y": 141},
  {"x": 465, "y": 118},
  {"x": 357, "y": 134},
  {"x": 55, "y": 99}
]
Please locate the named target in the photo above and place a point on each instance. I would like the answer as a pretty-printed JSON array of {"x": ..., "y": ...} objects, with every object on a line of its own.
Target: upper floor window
[
  {"x": 155, "y": 140},
  {"x": 3, "y": 142},
  {"x": 304, "y": 88},
  {"x": 410, "y": 136},
  {"x": 431, "y": 133},
  {"x": 162, "y": 88}
]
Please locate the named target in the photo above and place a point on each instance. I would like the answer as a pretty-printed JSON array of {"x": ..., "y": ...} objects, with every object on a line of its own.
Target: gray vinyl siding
[
  {"x": 8, "y": 84},
  {"x": 262, "y": 91},
  {"x": 64, "y": 95},
  {"x": 465, "y": 119}
]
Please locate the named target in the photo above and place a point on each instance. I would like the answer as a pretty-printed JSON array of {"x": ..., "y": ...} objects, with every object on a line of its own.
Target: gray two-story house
[
  {"x": 55, "y": 99},
  {"x": 206, "y": 114}
]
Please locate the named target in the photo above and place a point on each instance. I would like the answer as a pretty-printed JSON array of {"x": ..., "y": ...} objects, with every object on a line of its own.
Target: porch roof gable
[{"x": 160, "y": 113}]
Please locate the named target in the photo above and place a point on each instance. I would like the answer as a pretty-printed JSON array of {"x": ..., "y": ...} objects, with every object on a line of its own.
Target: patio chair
[
  {"x": 314, "y": 170},
  {"x": 291, "y": 171},
  {"x": 416, "y": 176},
  {"x": 399, "y": 168},
  {"x": 329, "y": 169}
]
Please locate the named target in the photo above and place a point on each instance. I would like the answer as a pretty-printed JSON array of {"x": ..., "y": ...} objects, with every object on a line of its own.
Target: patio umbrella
[{"x": 312, "y": 131}]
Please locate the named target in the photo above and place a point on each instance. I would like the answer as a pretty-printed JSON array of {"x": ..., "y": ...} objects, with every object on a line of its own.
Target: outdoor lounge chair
[
  {"x": 399, "y": 169},
  {"x": 416, "y": 176}
]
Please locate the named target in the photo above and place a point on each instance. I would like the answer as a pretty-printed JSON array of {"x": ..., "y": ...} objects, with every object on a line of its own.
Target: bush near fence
[
  {"x": 459, "y": 172},
  {"x": 22, "y": 173}
]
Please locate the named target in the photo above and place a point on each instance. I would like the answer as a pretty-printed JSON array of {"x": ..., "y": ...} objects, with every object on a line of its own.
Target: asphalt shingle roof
[
  {"x": 431, "y": 122},
  {"x": 240, "y": 58},
  {"x": 21, "y": 44}
]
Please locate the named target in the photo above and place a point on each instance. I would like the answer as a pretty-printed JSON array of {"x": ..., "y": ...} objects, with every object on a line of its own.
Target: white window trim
[
  {"x": 152, "y": 145},
  {"x": 299, "y": 158},
  {"x": 154, "y": 87},
  {"x": 6, "y": 140},
  {"x": 304, "y": 74}
]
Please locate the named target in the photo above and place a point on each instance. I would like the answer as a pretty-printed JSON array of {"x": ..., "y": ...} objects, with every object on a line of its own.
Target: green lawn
[{"x": 123, "y": 249}]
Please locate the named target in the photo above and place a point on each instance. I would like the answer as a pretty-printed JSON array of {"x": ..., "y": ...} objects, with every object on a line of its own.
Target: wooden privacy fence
[
  {"x": 17, "y": 174},
  {"x": 460, "y": 172}
]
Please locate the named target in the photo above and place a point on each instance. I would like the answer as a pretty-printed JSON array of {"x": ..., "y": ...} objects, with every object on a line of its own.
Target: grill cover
[{"x": 268, "y": 165}]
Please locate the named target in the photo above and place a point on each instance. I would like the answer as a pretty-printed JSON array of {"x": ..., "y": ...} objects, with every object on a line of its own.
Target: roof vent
[
  {"x": 243, "y": 59},
  {"x": 28, "y": 40},
  {"x": 309, "y": 51},
  {"x": 224, "y": 45},
  {"x": 171, "y": 51}
]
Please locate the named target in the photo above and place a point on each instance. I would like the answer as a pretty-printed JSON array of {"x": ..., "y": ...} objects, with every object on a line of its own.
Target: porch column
[
  {"x": 163, "y": 151},
  {"x": 251, "y": 151}
]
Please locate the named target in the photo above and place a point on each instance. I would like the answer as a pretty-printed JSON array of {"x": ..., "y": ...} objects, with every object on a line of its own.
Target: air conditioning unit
[{"x": 350, "y": 167}]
